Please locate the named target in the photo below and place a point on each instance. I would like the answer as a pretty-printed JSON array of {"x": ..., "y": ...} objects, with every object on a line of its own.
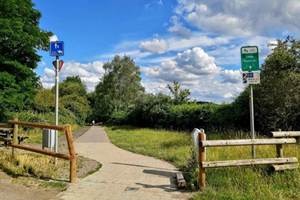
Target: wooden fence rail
[
  {"x": 65, "y": 128},
  {"x": 279, "y": 163},
  {"x": 258, "y": 161},
  {"x": 286, "y": 134},
  {"x": 219, "y": 143}
]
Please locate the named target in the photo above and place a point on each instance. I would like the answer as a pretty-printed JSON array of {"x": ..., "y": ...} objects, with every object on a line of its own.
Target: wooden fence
[
  {"x": 14, "y": 125},
  {"x": 278, "y": 163}
]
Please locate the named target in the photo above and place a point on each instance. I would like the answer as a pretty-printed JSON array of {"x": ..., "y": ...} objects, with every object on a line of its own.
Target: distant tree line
[{"x": 120, "y": 99}]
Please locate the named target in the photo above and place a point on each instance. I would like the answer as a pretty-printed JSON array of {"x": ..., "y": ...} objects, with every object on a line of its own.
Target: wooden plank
[
  {"x": 259, "y": 161},
  {"x": 38, "y": 125},
  {"x": 6, "y": 130},
  {"x": 181, "y": 183},
  {"x": 218, "y": 143},
  {"x": 286, "y": 134},
  {"x": 73, "y": 159},
  {"x": 5, "y": 125},
  {"x": 285, "y": 167},
  {"x": 15, "y": 137},
  {"x": 41, "y": 151},
  {"x": 202, "y": 158}
]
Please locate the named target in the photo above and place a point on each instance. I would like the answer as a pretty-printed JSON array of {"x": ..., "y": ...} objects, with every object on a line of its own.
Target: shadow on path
[
  {"x": 159, "y": 173},
  {"x": 135, "y": 165},
  {"x": 167, "y": 188}
]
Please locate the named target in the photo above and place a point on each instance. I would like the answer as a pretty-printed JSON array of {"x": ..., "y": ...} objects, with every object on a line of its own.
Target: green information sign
[{"x": 250, "y": 58}]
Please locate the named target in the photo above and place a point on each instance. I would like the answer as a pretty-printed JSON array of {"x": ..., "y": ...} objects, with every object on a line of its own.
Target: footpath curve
[{"x": 123, "y": 176}]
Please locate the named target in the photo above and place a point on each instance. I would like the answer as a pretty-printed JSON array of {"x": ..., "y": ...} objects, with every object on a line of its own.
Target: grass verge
[{"x": 239, "y": 183}]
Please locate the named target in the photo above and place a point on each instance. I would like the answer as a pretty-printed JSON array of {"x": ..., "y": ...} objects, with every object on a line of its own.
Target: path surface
[
  {"x": 13, "y": 191},
  {"x": 123, "y": 176}
]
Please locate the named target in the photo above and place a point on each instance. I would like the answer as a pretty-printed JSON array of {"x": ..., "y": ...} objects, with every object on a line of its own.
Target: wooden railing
[
  {"x": 278, "y": 163},
  {"x": 65, "y": 128}
]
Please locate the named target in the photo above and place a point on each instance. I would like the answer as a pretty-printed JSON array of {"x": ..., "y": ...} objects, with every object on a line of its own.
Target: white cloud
[
  {"x": 194, "y": 40},
  {"x": 241, "y": 17},
  {"x": 196, "y": 61},
  {"x": 231, "y": 76},
  {"x": 178, "y": 28},
  {"x": 195, "y": 70},
  {"x": 154, "y": 46},
  {"x": 90, "y": 73},
  {"x": 53, "y": 38}
]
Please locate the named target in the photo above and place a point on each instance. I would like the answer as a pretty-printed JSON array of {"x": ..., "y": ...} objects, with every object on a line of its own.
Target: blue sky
[{"x": 195, "y": 42}]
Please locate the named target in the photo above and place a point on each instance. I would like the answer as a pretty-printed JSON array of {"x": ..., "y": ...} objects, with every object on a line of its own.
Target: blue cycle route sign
[{"x": 57, "y": 48}]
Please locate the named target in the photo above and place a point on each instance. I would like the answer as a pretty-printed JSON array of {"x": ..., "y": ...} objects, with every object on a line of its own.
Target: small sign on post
[
  {"x": 250, "y": 58},
  {"x": 57, "y": 48},
  {"x": 60, "y": 64},
  {"x": 251, "y": 78}
]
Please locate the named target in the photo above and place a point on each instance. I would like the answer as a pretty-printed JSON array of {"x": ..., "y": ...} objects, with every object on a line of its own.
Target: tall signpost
[
  {"x": 56, "y": 50},
  {"x": 251, "y": 75}
]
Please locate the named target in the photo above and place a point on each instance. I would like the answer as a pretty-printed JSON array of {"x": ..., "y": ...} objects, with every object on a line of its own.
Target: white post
[
  {"x": 252, "y": 120},
  {"x": 56, "y": 101}
]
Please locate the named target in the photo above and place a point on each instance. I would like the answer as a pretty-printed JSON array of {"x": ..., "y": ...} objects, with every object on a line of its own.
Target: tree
[
  {"x": 277, "y": 98},
  {"x": 73, "y": 97},
  {"x": 179, "y": 95},
  {"x": 72, "y": 85},
  {"x": 118, "y": 89},
  {"x": 20, "y": 38},
  {"x": 278, "y": 95},
  {"x": 44, "y": 100}
]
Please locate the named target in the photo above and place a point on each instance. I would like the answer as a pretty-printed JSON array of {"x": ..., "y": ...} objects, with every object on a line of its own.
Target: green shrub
[
  {"x": 65, "y": 116},
  {"x": 191, "y": 115},
  {"x": 118, "y": 117}
]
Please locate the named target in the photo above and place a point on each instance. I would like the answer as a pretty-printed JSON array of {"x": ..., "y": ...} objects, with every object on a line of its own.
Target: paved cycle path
[{"x": 123, "y": 176}]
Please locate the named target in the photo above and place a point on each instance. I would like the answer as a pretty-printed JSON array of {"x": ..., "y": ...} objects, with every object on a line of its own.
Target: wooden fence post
[
  {"x": 202, "y": 158},
  {"x": 279, "y": 149},
  {"x": 15, "y": 138},
  {"x": 73, "y": 164}
]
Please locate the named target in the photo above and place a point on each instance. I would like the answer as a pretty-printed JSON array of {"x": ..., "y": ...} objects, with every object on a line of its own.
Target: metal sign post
[
  {"x": 250, "y": 63},
  {"x": 56, "y": 100},
  {"x": 57, "y": 49},
  {"x": 252, "y": 128}
]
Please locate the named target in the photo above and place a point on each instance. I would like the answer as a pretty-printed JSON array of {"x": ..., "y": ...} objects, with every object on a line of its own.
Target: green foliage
[
  {"x": 191, "y": 115},
  {"x": 20, "y": 38},
  {"x": 73, "y": 98},
  {"x": 277, "y": 98},
  {"x": 44, "y": 100},
  {"x": 73, "y": 104},
  {"x": 65, "y": 116},
  {"x": 118, "y": 89},
  {"x": 72, "y": 85},
  {"x": 159, "y": 111},
  {"x": 150, "y": 111},
  {"x": 179, "y": 95},
  {"x": 78, "y": 105}
]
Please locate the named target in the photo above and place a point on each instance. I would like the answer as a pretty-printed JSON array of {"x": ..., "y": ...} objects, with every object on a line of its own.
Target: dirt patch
[{"x": 12, "y": 191}]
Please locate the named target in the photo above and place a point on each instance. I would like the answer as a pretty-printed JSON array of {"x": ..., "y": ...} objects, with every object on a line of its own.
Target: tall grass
[
  {"x": 244, "y": 183},
  {"x": 29, "y": 164},
  {"x": 168, "y": 145}
]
